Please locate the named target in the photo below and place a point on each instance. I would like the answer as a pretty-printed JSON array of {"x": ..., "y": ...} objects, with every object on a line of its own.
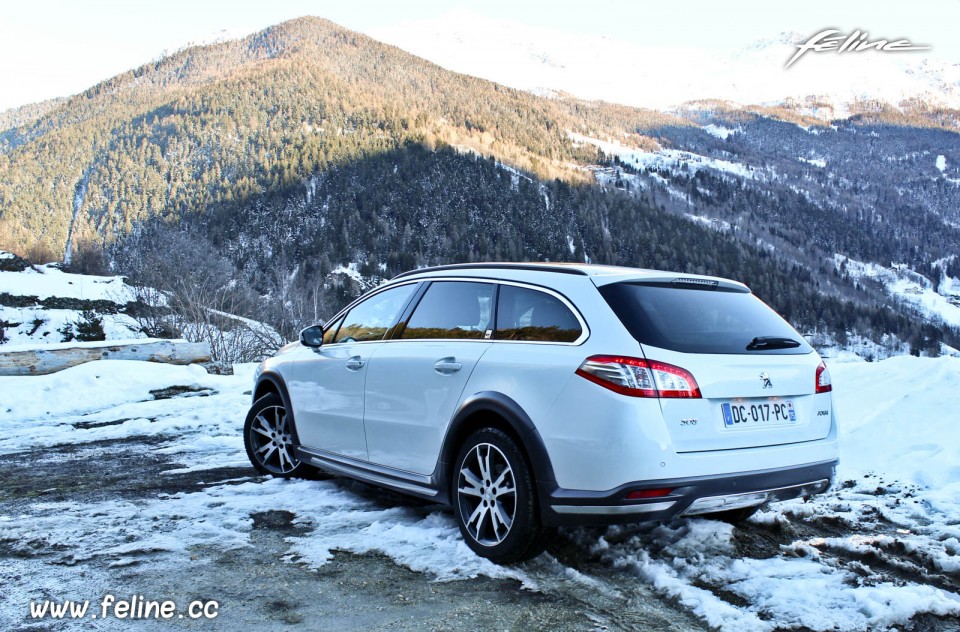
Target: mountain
[
  {"x": 316, "y": 161},
  {"x": 26, "y": 114},
  {"x": 225, "y": 121},
  {"x": 590, "y": 67}
]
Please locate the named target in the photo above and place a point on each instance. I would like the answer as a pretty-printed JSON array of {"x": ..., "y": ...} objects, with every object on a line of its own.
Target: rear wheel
[
  {"x": 495, "y": 499},
  {"x": 270, "y": 441}
]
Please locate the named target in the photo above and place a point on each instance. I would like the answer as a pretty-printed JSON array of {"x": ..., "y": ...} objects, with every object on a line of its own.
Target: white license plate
[{"x": 750, "y": 414}]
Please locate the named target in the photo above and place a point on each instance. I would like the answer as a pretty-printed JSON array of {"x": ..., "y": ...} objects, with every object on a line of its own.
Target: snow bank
[
  {"x": 900, "y": 417},
  {"x": 51, "y": 281}
]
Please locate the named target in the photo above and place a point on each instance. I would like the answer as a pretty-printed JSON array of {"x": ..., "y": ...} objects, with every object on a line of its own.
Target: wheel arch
[
  {"x": 270, "y": 382},
  {"x": 492, "y": 409}
]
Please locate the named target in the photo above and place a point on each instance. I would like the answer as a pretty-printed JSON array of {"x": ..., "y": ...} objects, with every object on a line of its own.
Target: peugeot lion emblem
[{"x": 766, "y": 380}]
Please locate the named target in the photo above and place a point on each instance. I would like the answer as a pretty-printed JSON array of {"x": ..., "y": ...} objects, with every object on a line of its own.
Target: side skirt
[{"x": 379, "y": 475}]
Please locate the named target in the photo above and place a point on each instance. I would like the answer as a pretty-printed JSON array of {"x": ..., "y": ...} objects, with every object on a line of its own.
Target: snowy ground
[{"x": 121, "y": 476}]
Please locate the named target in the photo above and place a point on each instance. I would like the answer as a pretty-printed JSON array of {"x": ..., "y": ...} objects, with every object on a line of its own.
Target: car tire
[
  {"x": 270, "y": 440},
  {"x": 495, "y": 501}
]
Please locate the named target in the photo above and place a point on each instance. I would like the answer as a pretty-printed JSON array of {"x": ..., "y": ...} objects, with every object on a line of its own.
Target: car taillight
[
  {"x": 639, "y": 378},
  {"x": 823, "y": 383}
]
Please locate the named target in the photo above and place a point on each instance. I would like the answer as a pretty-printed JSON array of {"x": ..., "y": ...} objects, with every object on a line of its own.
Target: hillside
[
  {"x": 313, "y": 161},
  {"x": 225, "y": 121}
]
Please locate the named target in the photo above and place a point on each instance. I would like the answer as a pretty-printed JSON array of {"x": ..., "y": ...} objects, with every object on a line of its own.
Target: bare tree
[{"x": 186, "y": 289}]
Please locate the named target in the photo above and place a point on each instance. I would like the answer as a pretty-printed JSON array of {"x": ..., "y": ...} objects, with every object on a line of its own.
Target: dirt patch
[{"x": 182, "y": 391}]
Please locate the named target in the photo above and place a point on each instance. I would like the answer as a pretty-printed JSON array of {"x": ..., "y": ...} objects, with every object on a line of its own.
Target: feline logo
[{"x": 834, "y": 40}]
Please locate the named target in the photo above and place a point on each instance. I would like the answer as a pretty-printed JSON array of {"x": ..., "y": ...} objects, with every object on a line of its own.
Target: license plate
[{"x": 758, "y": 413}]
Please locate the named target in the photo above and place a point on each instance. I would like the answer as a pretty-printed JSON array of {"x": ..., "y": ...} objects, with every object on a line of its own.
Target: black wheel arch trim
[
  {"x": 492, "y": 402},
  {"x": 279, "y": 385}
]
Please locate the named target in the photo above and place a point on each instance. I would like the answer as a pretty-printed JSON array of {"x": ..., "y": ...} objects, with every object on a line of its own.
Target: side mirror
[{"x": 312, "y": 336}]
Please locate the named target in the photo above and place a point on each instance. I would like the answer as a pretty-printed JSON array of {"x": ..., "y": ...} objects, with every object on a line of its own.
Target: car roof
[{"x": 599, "y": 274}]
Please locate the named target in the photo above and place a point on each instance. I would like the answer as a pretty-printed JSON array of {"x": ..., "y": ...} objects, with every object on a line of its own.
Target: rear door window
[
  {"x": 699, "y": 321},
  {"x": 453, "y": 310},
  {"x": 531, "y": 315}
]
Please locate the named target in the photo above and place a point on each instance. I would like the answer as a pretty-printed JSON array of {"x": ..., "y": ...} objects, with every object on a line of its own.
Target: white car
[{"x": 530, "y": 396}]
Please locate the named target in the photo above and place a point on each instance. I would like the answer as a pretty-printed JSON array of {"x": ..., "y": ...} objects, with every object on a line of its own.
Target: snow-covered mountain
[{"x": 546, "y": 61}]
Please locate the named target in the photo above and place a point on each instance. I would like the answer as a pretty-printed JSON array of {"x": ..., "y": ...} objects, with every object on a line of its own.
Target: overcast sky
[{"x": 51, "y": 48}]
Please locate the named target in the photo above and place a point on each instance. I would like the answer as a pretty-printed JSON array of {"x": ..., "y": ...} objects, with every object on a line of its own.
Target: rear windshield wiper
[{"x": 771, "y": 342}]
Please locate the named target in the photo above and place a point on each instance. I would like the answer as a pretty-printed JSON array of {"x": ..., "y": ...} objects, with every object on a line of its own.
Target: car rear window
[{"x": 693, "y": 320}]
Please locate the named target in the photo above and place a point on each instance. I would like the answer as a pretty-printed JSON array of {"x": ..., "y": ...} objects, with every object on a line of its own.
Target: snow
[
  {"x": 351, "y": 270},
  {"x": 719, "y": 131},
  {"x": 899, "y": 484},
  {"x": 715, "y": 223},
  {"x": 906, "y": 286},
  {"x": 38, "y": 326},
  {"x": 816, "y": 162},
  {"x": 880, "y": 403},
  {"x": 941, "y": 163},
  {"x": 549, "y": 61},
  {"x": 51, "y": 281},
  {"x": 671, "y": 159}
]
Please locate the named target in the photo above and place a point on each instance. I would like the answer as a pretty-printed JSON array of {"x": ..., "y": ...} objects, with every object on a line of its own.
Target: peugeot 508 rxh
[{"x": 531, "y": 396}]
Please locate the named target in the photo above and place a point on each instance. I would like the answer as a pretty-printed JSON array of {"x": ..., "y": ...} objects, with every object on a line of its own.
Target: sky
[{"x": 51, "y": 48}]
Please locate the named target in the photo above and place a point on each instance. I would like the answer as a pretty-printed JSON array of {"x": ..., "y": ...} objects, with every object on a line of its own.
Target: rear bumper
[{"x": 688, "y": 496}]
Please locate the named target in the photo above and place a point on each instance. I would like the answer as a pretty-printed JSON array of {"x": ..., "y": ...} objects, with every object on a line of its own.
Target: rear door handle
[
  {"x": 355, "y": 363},
  {"x": 447, "y": 366}
]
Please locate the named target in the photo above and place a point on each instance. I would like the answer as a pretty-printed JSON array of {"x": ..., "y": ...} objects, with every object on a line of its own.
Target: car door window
[
  {"x": 370, "y": 319},
  {"x": 526, "y": 314},
  {"x": 453, "y": 309},
  {"x": 330, "y": 334}
]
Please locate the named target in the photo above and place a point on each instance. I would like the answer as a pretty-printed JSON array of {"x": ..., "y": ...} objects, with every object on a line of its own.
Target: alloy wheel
[
  {"x": 271, "y": 440},
  {"x": 487, "y": 494}
]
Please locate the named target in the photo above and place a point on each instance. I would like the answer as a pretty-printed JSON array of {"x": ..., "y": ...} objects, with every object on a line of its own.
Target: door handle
[
  {"x": 447, "y": 366},
  {"x": 355, "y": 363}
]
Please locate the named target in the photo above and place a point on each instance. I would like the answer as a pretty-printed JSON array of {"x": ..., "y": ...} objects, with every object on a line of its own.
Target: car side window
[
  {"x": 526, "y": 314},
  {"x": 453, "y": 309},
  {"x": 370, "y": 319},
  {"x": 328, "y": 335}
]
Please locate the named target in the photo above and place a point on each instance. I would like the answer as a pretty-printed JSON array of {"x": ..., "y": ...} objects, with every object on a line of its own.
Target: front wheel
[
  {"x": 495, "y": 499},
  {"x": 268, "y": 436}
]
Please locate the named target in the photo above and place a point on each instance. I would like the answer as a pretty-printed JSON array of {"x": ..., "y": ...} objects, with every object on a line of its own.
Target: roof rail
[{"x": 539, "y": 267}]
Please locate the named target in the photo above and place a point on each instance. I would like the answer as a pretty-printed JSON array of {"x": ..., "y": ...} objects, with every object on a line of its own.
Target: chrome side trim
[
  {"x": 710, "y": 504},
  {"x": 368, "y": 472},
  {"x": 613, "y": 510}
]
